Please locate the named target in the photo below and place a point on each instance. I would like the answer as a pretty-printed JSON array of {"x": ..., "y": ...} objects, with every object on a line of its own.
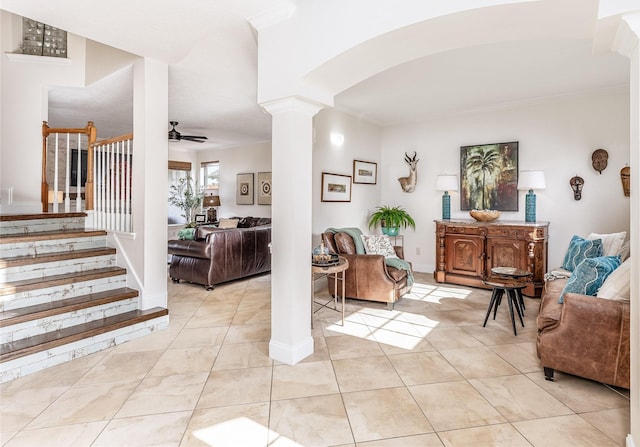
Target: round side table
[{"x": 335, "y": 271}]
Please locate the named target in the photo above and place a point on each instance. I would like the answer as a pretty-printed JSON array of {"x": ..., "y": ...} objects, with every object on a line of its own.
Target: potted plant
[
  {"x": 391, "y": 219},
  {"x": 184, "y": 196}
]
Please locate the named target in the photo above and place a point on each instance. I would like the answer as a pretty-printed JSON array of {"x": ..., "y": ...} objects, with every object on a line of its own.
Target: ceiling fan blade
[{"x": 195, "y": 138}]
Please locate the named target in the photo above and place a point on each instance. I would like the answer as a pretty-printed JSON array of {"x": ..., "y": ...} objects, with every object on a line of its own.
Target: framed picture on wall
[
  {"x": 264, "y": 188},
  {"x": 336, "y": 187},
  {"x": 489, "y": 177},
  {"x": 244, "y": 189},
  {"x": 365, "y": 172}
]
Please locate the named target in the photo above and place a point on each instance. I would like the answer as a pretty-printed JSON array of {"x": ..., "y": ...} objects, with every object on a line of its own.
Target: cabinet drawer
[
  {"x": 497, "y": 231},
  {"x": 463, "y": 230}
]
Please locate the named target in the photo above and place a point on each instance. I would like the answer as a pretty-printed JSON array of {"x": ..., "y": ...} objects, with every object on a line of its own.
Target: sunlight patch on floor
[
  {"x": 242, "y": 432},
  {"x": 396, "y": 327}
]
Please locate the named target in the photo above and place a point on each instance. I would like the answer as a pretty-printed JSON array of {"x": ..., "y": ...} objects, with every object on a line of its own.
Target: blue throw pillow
[
  {"x": 580, "y": 249},
  {"x": 589, "y": 275}
]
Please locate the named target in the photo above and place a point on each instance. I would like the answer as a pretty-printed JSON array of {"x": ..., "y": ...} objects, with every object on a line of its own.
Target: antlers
[{"x": 411, "y": 160}]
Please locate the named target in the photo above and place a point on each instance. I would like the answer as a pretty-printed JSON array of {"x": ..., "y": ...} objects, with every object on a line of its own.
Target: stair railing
[
  {"x": 62, "y": 170},
  {"x": 112, "y": 183}
]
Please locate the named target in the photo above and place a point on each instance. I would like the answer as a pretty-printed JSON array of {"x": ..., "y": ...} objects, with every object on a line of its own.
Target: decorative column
[
  {"x": 627, "y": 43},
  {"x": 291, "y": 210}
]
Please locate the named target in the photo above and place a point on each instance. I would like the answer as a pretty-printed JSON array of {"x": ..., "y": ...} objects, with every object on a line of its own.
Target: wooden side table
[{"x": 335, "y": 271}]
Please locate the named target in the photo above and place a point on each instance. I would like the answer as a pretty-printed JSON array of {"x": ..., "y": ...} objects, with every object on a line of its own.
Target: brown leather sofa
[
  {"x": 367, "y": 278},
  {"x": 586, "y": 336},
  {"x": 218, "y": 255}
]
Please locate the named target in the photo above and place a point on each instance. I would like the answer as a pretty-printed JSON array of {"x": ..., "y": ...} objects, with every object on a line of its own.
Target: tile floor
[{"x": 426, "y": 374}]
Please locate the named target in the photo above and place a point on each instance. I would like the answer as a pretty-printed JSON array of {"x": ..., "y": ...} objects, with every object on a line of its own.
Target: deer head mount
[{"x": 408, "y": 184}]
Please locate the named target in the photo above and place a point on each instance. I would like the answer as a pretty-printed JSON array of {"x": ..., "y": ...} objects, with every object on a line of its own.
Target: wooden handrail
[
  {"x": 125, "y": 137},
  {"x": 90, "y": 131}
]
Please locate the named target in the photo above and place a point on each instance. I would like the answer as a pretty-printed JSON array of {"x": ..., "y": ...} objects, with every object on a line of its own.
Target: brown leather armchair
[
  {"x": 368, "y": 277},
  {"x": 586, "y": 336}
]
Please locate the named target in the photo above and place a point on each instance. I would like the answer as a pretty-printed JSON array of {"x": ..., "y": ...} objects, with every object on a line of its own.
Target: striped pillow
[
  {"x": 580, "y": 249},
  {"x": 589, "y": 275}
]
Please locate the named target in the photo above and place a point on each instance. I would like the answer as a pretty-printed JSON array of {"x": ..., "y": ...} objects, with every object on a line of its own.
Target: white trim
[
  {"x": 290, "y": 354},
  {"x": 41, "y": 59}
]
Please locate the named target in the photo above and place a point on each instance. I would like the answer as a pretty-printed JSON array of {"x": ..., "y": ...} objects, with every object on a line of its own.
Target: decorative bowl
[{"x": 484, "y": 215}]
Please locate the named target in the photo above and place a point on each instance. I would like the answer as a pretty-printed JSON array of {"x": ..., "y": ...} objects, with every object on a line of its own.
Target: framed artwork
[
  {"x": 489, "y": 177},
  {"x": 336, "y": 187},
  {"x": 264, "y": 188},
  {"x": 201, "y": 218},
  {"x": 244, "y": 189},
  {"x": 365, "y": 172}
]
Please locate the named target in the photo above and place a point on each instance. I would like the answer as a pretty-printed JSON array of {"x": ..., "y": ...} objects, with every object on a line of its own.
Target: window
[
  {"x": 177, "y": 170},
  {"x": 210, "y": 176}
]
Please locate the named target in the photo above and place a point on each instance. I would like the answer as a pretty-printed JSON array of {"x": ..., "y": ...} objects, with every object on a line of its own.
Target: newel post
[{"x": 88, "y": 187}]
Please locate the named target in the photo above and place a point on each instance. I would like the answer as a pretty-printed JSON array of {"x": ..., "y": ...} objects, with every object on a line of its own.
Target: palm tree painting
[{"x": 489, "y": 177}]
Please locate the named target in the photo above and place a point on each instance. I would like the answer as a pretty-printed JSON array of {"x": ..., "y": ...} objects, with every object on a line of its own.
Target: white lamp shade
[
  {"x": 531, "y": 180},
  {"x": 447, "y": 183}
]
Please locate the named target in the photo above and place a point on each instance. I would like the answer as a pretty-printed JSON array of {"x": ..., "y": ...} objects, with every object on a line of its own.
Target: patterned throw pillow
[
  {"x": 617, "y": 286},
  {"x": 378, "y": 245},
  {"x": 580, "y": 249},
  {"x": 589, "y": 275}
]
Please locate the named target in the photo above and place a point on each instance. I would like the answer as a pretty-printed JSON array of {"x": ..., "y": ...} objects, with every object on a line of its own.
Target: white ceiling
[{"x": 212, "y": 54}]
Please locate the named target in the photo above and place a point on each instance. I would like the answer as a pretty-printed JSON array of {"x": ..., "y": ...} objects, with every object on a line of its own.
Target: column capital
[
  {"x": 293, "y": 104},
  {"x": 628, "y": 35}
]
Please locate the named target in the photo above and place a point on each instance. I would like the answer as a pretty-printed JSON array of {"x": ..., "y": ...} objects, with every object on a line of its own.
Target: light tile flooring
[{"x": 425, "y": 374}]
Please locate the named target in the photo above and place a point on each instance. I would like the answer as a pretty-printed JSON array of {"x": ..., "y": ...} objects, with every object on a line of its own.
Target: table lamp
[
  {"x": 446, "y": 183},
  {"x": 210, "y": 202},
  {"x": 530, "y": 180}
]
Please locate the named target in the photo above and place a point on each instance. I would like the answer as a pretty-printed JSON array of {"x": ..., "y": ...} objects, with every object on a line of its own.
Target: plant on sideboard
[
  {"x": 391, "y": 219},
  {"x": 184, "y": 195}
]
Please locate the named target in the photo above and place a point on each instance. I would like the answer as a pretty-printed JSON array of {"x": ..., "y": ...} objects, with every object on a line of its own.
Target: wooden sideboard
[{"x": 467, "y": 250}]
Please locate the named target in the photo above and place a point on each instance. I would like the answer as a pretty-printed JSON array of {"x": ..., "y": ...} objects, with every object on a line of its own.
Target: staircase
[{"x": 62, "y": 296}]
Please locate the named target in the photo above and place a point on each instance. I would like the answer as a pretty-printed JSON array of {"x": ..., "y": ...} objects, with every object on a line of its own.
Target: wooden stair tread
[
  {"x": 33, "y": 216},
  {"x": 25, "y": 285},
  {"x": 56, "y": 256},
  {"x": 49, "y": 235},
  {"x": 30, "y": 313},
  {"x": 50, "y": 340}
]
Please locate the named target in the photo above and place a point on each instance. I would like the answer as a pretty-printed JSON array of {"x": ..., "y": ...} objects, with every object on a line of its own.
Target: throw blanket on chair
[{"x": 356, "y": 235}]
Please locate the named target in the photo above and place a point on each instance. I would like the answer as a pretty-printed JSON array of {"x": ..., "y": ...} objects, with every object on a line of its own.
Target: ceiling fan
[{"x": 174, "y": 135}]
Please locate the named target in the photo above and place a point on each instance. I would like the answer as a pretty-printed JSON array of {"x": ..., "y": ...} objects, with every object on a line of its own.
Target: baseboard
[
  {"x": 630, "y": 442},
  {"x": 290, "y": 354}
]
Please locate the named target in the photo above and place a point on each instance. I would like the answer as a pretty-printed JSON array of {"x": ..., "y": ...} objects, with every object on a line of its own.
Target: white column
[
  {"x": 627, "y": 42},
  {"x": 291, "y": 210}
]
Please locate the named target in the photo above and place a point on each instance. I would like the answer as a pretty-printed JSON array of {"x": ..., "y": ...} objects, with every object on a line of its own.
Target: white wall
[
  {"x": 361, "y": 142},
  {"x": 25, "y": 84},
  {"x": 239, "y": 160},
  {"x": 557, "y": 136}
]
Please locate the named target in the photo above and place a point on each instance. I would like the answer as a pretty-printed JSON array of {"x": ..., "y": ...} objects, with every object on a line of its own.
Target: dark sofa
[{"x": 217, "y": 255}]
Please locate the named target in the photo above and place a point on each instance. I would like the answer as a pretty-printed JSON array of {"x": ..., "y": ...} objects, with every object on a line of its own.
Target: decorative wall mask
[
  {"x": 625, "y": 177},
  {"x": 599, "y": 160},
  {"x": 576, "y": 183},
  {"x": 408, "y": 184}
]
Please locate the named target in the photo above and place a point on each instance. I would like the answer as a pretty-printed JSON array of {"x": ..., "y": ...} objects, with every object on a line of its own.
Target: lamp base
[
  {"x": 211, "y": 215},
  {"x": 530, "y": 207},
  {"x": 446, "y": 206}
]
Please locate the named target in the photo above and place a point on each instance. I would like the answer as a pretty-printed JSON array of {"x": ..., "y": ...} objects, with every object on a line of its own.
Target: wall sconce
[
  {"x": 576, "y": 183},
  {"x": 446, "y": 183},
  {"x": 530, "y": 180},
  {"x": 337, "y": 139},
  {"x": 210, "y": 202}
]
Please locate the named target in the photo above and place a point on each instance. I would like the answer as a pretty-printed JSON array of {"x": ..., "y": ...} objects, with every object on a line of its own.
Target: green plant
[
  {"x": 184, "y": 195},
  {"x": 391, "y": 217}
]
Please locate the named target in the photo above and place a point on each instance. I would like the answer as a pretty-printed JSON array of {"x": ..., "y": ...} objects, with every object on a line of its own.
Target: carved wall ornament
[
  {"x": 625, "y": 177},
  {"x": 408, "y": 184},
  {"x": 576, "y": 183},
  {"x": 599, "y": 160}
]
